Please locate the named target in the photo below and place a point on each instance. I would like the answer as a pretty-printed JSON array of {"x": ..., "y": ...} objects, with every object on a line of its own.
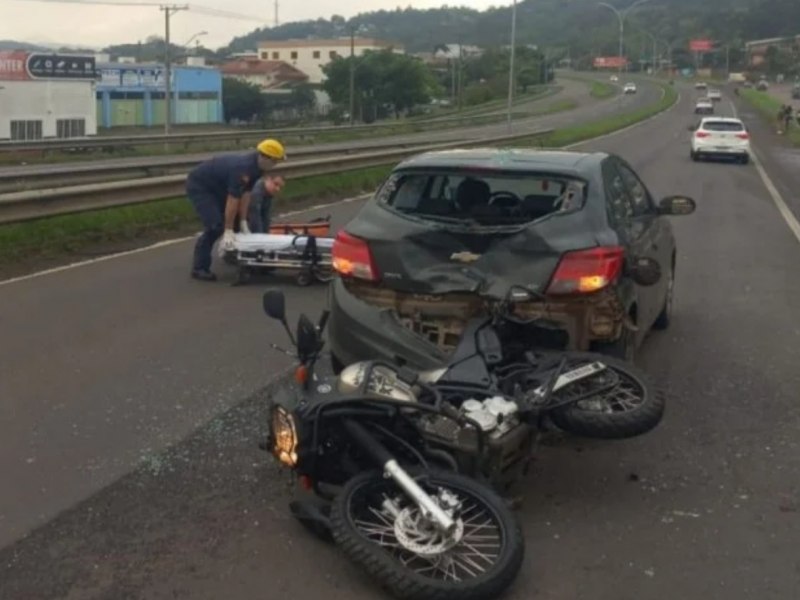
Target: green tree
[
  {"x": 303, "y": 99},
  {"x": 382, "y": 78},
  {"x": 242, "y": 100}
]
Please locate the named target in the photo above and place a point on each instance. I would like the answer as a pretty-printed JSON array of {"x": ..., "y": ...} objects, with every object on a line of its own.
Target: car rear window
[
  {"x": 722, "y": 126},
  {"x": 479, "y": 198}
]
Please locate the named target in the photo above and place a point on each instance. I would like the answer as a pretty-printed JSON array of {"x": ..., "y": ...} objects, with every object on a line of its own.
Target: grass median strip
[
  {"x": 602, "y": 90},
  {"x": 768, "y": 106},
  {"x": 72, "y": 234}
]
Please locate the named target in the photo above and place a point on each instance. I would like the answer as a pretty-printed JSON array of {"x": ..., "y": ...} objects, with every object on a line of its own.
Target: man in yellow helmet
[{"x": 219, "y": 189}]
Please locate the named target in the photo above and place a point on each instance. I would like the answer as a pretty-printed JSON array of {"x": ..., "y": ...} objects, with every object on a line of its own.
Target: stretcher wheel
[
  {"x": 304, "y": 278},
  {"x": 243, "y": 276},
  {"x": 323, "y": 274}
]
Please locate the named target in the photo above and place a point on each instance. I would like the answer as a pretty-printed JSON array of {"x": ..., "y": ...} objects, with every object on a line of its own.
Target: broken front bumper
[{"x": 368, "y": 321}]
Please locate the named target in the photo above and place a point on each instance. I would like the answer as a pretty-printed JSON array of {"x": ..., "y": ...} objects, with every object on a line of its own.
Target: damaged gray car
[{"x": 449, "y": 233}]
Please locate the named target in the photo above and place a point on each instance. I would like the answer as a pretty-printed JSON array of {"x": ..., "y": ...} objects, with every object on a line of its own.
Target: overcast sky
[{"x": 97, "y": 26}]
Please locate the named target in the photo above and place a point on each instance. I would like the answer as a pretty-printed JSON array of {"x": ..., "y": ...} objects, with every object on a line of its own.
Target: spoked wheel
[
  {"x": 381, "y": 529},
  {"x": 619, "y": 402}
]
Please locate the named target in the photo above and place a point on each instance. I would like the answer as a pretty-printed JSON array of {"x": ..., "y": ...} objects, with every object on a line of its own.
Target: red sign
[
  {"x": 610, "y": 62},
  {"x": 13, "y": 65},
  {"x": 701, "y": 45}
]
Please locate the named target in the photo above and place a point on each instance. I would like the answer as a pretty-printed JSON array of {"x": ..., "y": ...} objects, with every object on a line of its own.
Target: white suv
[
  {"x": 720, "y": 137},
  {"x": 630, "y": 88}
]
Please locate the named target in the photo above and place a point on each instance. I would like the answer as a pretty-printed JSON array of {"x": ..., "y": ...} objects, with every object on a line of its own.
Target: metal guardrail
[
  {"x": 112, "y": 143},
  {"x": 81, "y": 173},
  {"x": 22, "y": 206}
]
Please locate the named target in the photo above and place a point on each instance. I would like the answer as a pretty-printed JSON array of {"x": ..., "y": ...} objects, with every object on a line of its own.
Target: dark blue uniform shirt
[{"x": 226, "y": 175}]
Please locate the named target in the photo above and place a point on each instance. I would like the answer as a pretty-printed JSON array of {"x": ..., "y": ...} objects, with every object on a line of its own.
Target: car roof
[{"x": 506, "y": 159}]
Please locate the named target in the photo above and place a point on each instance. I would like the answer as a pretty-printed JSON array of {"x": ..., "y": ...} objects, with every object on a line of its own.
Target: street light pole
[
  {"x": 352, "y": 75},
  {"x": 511, "y": 62},
  {"x": 621, "y": 14},
  {"x": 168, "y": 11}
]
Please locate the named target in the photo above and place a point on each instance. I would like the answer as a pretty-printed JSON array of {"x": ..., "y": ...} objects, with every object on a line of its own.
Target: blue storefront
[{"x": 132, "y": 95}]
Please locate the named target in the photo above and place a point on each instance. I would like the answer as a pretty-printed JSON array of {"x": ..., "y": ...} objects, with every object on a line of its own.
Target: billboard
[
  {"x": 133, "y": 76},
  {"x": 17, "y": 65},
  {"x": 60, "y": 66},
  {"x": 12, "y": 65},
  {"x": 701, "y": 45},
  {"x": 610, "y": 62}
]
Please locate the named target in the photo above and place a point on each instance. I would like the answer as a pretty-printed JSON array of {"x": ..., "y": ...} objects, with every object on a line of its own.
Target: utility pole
[
  {"x": 168, "y": 12},
  {"x": 352, "y": 74},
  {"x": 511, "y": 78},
  {"x": 277, "y": 4},
  {"x": 728, "y": 62}
]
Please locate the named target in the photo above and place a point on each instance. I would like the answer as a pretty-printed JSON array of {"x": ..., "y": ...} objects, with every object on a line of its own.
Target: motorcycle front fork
[{"x": 392, "y": 469}]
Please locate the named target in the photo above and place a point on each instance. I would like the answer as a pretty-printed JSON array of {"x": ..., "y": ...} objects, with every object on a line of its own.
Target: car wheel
[
  {"x": 665, "y": 317},
  {"x": 694, "y": 155},
  {"x": 745, "y": 159}
]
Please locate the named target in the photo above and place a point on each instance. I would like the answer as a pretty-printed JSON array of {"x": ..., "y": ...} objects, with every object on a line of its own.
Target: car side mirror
[
  {"x": 644, "y": 271},
  {"x": 275, "y": 305},
  {"x": 676, "y": 206}
]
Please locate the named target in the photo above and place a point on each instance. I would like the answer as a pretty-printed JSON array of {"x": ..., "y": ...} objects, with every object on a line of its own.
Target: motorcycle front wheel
[
  {"x": 381, "y": 529},
  {"x": 627, "y": 404}
]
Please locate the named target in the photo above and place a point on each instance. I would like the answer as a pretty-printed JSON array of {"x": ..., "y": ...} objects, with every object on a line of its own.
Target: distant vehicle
[
  {"x": 715, "y": 95},
  {"x": 720, "y": 137},
  {"x": 737, "y": 78},
  {"x": 796, "y": 92},
  {"x": 614, "y": 78},
  {"x": 748, "y": 84},
  {"x": 762, "y": 86},
  {"x": 630, "y": 88},
  {"x": 704, "y": 106},
  {"x": 701, "y": 85}
]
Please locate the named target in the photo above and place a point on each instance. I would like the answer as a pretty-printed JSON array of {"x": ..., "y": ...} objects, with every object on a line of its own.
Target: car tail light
[
  {"x": 743, "y": 136},
  {"x": 702, "y": 134},
  {"x": 587, "y": 271},
  {"x": 352, "y": 257}
]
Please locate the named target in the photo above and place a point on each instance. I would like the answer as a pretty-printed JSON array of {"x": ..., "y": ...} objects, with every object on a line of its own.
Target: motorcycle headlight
[{"x": 284, "y": 435}]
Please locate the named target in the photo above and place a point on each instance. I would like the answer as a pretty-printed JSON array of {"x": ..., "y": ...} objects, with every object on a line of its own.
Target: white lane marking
[
  {"x": 158, "y": 245},
  {"x": 166, "y": 243},
  {"x": 780, "y": 203}
]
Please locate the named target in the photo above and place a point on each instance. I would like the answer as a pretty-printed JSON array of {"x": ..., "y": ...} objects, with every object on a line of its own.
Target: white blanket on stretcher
[{"x": 267, "y": 242}]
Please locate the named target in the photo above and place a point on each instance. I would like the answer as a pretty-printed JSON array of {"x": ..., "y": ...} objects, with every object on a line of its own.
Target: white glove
[
  {"x": 244, "y": 227},
  {"x": 227, "y": 243}
]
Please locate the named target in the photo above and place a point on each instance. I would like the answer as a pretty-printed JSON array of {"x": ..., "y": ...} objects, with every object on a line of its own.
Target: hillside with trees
[{"x": 570, "y": 28}]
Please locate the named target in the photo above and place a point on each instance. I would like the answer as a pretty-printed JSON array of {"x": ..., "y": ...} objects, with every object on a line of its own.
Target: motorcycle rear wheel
[
  {"x": 632, "y": 407},
  {"x": 481, "y": 564}
]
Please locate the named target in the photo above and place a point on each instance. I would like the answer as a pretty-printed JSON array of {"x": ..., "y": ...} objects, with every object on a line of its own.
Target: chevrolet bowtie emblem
[{"x": 464, "y": 257}]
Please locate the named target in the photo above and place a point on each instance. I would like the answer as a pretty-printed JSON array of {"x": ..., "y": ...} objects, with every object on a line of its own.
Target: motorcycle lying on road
[{"x": 408, "y": 464}]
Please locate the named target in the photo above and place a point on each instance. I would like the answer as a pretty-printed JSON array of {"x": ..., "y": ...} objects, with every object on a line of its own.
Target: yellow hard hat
[{"x": 273, "y": 149}]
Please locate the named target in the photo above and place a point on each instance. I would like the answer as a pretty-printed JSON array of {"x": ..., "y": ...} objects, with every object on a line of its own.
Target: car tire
[
  {"x": 745, "y": 159},
  {"x": 694, "y": 156},
  {"x": 665, "y": 316}
]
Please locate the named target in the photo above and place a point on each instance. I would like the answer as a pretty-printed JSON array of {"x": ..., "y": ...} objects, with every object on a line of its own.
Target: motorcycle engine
[{"x": 495, "y": 416}]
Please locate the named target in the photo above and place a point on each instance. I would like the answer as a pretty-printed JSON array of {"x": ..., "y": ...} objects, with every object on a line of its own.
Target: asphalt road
[
  {"x": 104, "y": 361},
  {"x": 574, "y": 91}
]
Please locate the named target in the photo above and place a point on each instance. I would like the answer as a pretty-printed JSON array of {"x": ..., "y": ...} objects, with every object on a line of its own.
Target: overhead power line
[{"x": 197, "y": 8}]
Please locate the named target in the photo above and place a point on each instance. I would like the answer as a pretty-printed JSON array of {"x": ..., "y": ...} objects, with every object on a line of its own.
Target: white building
[
  {"x": 45, "y": 95},
  {"x": 309, "y": 56}
]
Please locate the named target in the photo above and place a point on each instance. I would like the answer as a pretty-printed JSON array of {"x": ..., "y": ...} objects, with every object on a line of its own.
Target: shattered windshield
[{"x": 481, "y": 199}]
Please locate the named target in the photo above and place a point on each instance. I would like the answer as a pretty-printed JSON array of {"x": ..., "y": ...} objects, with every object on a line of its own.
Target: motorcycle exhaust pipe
[{"x": 392, "y": 468}]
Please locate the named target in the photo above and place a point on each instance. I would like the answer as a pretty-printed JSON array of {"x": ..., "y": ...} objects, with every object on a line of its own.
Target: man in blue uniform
[{"x": 219, "y": 189}]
